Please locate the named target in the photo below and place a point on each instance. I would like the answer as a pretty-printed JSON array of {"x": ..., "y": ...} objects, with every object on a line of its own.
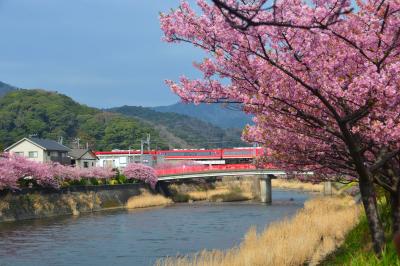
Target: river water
[{"x": 139, "y": 237}]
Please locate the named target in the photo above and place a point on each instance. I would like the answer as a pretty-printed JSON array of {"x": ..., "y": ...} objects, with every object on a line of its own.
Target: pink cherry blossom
[
  {"x": 321, "y": 78},
  {"x": 141, "y": 172},
  {"x": 15, "y": 168}
]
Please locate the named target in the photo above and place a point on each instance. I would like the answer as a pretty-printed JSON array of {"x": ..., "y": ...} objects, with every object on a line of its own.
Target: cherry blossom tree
[
  {"x": 321, "y": 78},
  {"x": 141, "y": 172}
]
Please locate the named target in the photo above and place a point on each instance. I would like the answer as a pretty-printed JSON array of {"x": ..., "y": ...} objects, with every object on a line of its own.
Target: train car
[
  {"x": 213, "y": 154},
  {"x": 242, "y": 152},
  {"x": 241, "y": 155},
  {"x": 202, "y": 156}
]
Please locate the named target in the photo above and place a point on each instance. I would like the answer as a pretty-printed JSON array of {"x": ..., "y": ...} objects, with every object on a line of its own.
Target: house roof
[
  {"x": 49, "y": 144},
  {"x": 45, "y": 144},
  {"x": 78, "y": 153}
]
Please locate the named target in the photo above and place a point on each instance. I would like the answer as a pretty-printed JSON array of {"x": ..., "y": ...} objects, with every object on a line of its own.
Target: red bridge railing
[{"x": 188, "y": 169}]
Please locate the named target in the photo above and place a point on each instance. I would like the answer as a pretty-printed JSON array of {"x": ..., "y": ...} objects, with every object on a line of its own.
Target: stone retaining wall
[{"x": 41, "y": 203}]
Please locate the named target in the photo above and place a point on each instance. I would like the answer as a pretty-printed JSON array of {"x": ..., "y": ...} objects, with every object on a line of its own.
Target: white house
[
  {"x": 120, "y": 159},
  {"x": 41, "y": 150}
]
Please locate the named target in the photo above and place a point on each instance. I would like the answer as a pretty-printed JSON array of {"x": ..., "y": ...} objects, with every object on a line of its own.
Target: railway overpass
[{"x": 203, "y": 171}]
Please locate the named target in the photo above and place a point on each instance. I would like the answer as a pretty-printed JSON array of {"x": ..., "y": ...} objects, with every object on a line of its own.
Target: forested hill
[
  {"x": 219, "y": 115},
  {"x": 194, "y": 132},
  {"x": 53, "y": 115}
]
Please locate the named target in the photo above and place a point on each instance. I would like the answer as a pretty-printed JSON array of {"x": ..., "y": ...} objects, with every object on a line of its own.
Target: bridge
[{"x": 205, "y": 171}]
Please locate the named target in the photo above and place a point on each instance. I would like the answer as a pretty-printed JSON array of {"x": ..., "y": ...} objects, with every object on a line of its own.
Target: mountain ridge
[
  {"x": 221, "y": 115},
  {"x": 198, "y": 133}
]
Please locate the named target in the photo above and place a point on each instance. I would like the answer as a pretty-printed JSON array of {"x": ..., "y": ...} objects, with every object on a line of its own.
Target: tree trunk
[
  {"x": 395, "y": 206},
  {"x": 371, "y": 211},
  {"x": 367, "y": 190}
]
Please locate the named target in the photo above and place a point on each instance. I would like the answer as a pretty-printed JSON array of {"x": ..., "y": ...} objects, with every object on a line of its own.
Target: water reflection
[{"x": 138, "y": 237}]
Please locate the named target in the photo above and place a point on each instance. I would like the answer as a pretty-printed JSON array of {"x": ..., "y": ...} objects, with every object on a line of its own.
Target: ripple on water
[{"x": 138, "y": 237}]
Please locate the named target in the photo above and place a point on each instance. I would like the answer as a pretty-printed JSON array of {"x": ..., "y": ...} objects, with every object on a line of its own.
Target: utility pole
[
  {"x": 77, "y": 140},
  {"x": 129, "y": 156},
  {"x": 142, "y": 142},
  {"x": 148, "y": 142}
]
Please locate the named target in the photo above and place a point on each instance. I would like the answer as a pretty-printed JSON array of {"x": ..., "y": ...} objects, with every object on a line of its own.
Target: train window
[
  {"x": 242, "y": 152},
  {"x": 191, "y": 153}
]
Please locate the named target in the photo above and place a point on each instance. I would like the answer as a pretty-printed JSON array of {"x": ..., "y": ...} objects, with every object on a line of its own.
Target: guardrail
[{"x": 188, "y": 169}]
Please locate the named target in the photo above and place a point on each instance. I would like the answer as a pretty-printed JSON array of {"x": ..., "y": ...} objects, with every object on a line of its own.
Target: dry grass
[
  {"x": 206, "y": 195},
  {"x": 146, "y": 199},
  {"x": 311, "y": 234},
  {"x": 243, "y": 190},
  {"x": 293, "y": 184}
]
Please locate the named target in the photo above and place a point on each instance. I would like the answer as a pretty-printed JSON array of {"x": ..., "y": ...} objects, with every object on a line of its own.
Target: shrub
[
  {"x": 18, "y": 171},
  {"x": 181, "y": 197},
  {"x": 141, "y": 172}
]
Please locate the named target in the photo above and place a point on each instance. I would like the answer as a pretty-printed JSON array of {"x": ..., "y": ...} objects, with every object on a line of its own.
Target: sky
[{"x": 103, "y": 53}]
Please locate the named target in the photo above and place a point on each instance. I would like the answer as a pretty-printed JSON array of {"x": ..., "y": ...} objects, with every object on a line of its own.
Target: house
[
  {"x": 84, "y": 158},
  {"x": 41, "y": 150},
  {"x": 121, "y": 158}
]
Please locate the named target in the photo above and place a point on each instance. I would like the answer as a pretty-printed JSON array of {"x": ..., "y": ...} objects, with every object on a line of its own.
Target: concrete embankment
[{"x": 42, "y": 203}]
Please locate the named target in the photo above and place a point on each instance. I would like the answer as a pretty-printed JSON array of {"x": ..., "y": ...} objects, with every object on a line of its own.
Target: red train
[{"x": 231, "y": 155}]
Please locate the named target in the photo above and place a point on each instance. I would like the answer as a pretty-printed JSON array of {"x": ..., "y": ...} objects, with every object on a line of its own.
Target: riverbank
[
  {"x": 330, "y": 218},
  {"x": 228, "y": 190},
  {"x": 43, "y": 203},
  {"x": 147, "y": 200},
  {"x": 297, "y": 185},
  {"x": 231, "y": 189},
  {"x": 357, "y": 250}
]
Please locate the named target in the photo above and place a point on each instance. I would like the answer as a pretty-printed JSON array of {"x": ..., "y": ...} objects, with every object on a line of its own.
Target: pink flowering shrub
[
  {"x": 141, "y": 172},
  {"x": 101, "y": 172},
  {"x": 69, "y": 173},
  {"x": 17, "y": 170}
]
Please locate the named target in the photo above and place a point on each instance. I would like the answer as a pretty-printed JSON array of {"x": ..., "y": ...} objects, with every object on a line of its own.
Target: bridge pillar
[
  {"x": 328, "y": 188},
  {"x": 266, "y": 189}
]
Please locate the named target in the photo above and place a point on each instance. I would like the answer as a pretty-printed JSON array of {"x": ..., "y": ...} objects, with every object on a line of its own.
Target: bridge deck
[{"x": 218, "y": 173}]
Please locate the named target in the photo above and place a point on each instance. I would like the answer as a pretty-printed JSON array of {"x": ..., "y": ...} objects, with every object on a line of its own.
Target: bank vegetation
[
  {"x": 232, "y": 189},
  {"x": 297, "y": 185},
  {"x": 306, "y": 238},
  {"x": 227, "y": 190},
  {"x": 146, "y": 200}
]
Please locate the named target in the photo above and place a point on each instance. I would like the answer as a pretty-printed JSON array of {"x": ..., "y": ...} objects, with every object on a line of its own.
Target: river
[{"x": 139, "y": 237}]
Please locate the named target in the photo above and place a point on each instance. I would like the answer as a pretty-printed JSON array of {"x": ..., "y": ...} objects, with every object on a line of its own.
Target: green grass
[{"x": 357, "y": 250}]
